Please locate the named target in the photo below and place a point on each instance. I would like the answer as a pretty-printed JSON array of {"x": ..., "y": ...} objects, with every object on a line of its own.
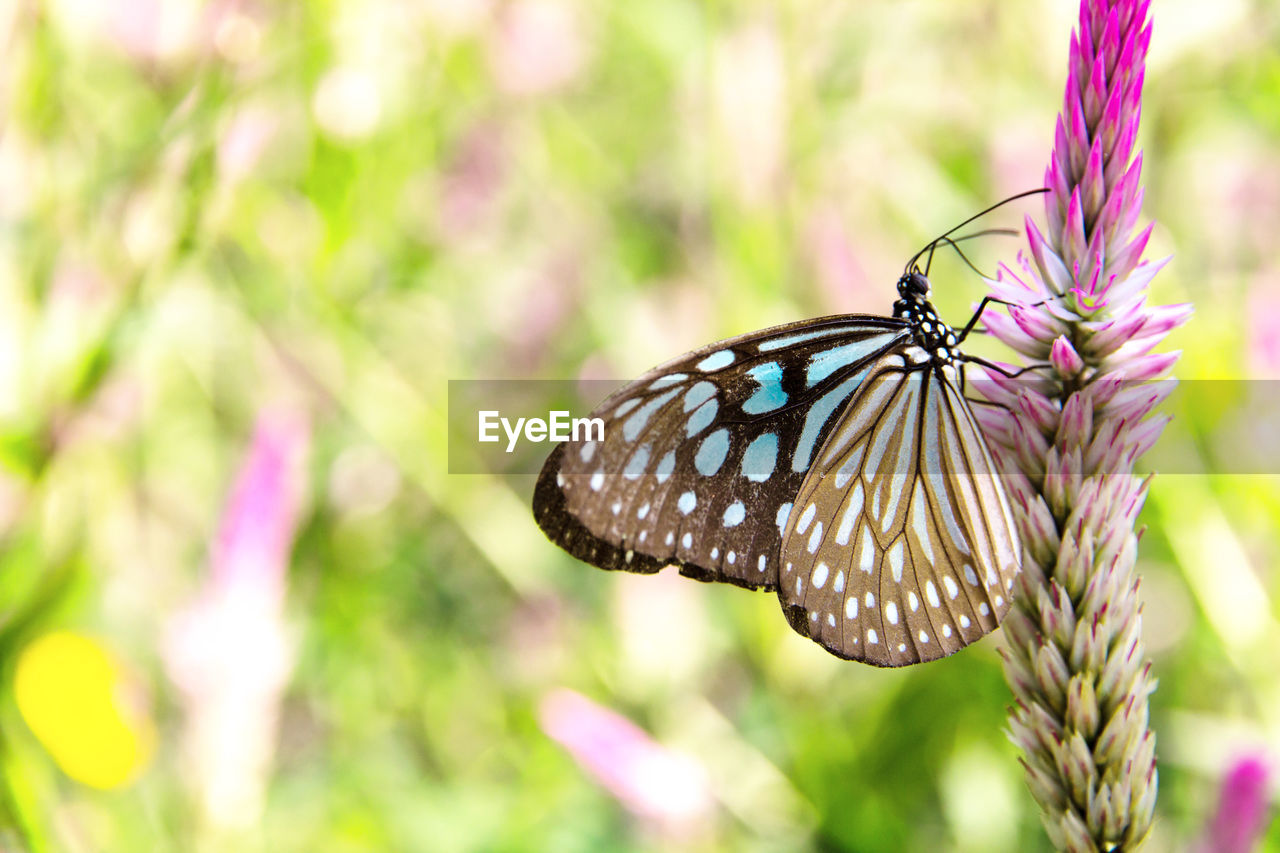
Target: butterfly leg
[
  {"x": 977, "y": 315},
  {"x": 982, "y": 306}
]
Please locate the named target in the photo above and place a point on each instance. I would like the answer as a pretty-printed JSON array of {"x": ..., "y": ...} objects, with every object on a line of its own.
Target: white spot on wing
[
  {"x": 819, "y": 575},
  {"x": 851, "y": 513},
  {"x": 895, "y": 560},
  {"x": 806, "y": 518},
  {"x": 816, "y": 538}
]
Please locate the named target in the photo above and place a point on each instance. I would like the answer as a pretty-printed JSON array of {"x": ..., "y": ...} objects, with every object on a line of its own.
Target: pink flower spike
[
  {"x": 666, "y": 788},
  {"x": 1127, "y": 258},
  {"x": 1164, "y": 319},
  {"x": 1074, "y": 240},
  {"x": 1035, "y": 324},
  {"x": 1075, "y": 499},
  {"x": 1241, "y": 817},
  {"x": 1140, "y": 437},
  {"x": 1076, "y": 424},
  {"x": 1011, "y": 334},
  {"x": 1148, "y": 366},
  {"x": 1132, "y": 285},
  {"x": 1137, "y": 401},
  {"x": 1064, "y": 357},
  {"x": 994, "y": 421},
  {"x": 1039, "y": 412},
  {"x": 1110, "y": 335},
  {"x": 228, "y": 652},
  {"x": 1094, "y": 96},
  {"x": 1053, "y": 271},
  {"x": 257, "y": 529}
]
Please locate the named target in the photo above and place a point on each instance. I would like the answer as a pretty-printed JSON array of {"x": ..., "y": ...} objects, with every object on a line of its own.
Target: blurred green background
[{"x": 299, "y": 220}]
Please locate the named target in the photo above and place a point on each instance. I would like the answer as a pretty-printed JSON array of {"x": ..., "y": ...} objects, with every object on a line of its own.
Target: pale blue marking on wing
[
  {"x": 817, "y": 416},
  {"x": 700, "y": 393},
  {"x": 784, "y": 513},
  {"x": 801, "y": 337},
  {"x": 734, "y": 514},
  {"x": 760, "y": 458},
  {"x": 711, "y": 452},
  {"x": 702, "y": 418},
  {"x": 638, "y": 462},
  {"x": 669, "y": 379},
  {"x": 823, "y": 364},
  {"x": 769, "y": 395},
  {"x": 631, "y": 428},
  {"x": 666, "y": 466},
  {"x": 717, "y": 360}
]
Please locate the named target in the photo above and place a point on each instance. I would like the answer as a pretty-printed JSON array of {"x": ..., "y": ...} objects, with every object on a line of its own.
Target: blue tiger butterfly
[{"x": 835, "y": 461}]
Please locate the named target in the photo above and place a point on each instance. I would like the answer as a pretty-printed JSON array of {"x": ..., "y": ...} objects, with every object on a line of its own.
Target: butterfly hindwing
[
  {"x": 702, "y": 456},
  {"x": 901, "y": 547}
]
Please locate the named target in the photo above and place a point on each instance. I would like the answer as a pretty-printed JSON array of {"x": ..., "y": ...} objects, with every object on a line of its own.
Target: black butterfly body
[{"x": 833, "y": 460}]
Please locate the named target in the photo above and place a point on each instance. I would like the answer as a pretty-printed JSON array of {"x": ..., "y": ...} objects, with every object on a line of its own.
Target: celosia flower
[
  {"x": 1072, "y": 431},
  {"x": 1240, "y": 819},
  {"x": 666, "y": 789},
  {"x": 229, "y": 653}
]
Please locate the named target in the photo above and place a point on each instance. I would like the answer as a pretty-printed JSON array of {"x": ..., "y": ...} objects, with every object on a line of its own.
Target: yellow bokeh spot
[{"x": 82, "y": 706}]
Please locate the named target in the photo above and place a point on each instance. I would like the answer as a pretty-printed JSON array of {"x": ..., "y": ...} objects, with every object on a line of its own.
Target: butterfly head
[
  {"x": 914, "y": 287},
  {"x": 931, "y": 333}
]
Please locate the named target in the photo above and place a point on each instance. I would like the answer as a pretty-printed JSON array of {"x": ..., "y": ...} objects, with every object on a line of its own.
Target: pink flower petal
[{"x": 655, "y": 783}]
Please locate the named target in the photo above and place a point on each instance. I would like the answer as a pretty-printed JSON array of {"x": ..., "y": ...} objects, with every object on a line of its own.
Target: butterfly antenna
[
  {"x": 930, "y": 246},
  {"x": 952, "y": 241}
]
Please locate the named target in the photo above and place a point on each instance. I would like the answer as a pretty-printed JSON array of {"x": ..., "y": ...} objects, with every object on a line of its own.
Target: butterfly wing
[
  {"x": 702, "y": 456},
  {"x": 902, "y": 547}
]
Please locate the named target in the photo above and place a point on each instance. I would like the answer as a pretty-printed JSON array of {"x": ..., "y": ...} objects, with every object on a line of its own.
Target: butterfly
[{"x": 835, "y": 461}]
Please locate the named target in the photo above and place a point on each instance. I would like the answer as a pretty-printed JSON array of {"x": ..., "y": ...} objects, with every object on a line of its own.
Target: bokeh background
[{"x": 243, "y": 247}]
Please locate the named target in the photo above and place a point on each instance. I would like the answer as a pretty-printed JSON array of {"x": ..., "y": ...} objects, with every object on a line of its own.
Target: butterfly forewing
[
  {"x": 702, "y": 456},
  {"x": 901, "y": 547}
]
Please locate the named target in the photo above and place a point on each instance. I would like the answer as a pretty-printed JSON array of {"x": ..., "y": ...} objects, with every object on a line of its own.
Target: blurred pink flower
[
  {"x": 666, "y": 789},
  {"x": 229, "y": 653},
  {"x": 151, "y": 31},
  {"x": 473, "y": 180},
  {"x": 1241, "y": 817},
  {"x": 241, "y": 145},
  {"x": 257, "y": 529},
  {"x": 1263, "y": 322},
  {"x": 843, "y": 279},
  {"x": 537, "y": 47}
]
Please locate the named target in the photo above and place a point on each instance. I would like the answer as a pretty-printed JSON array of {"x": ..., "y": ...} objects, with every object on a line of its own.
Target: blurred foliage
[{"x": 208, "y": 210}]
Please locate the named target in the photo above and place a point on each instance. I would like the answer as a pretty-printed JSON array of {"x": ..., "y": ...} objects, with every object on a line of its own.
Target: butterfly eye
[{"x": 914, "y": 284}]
